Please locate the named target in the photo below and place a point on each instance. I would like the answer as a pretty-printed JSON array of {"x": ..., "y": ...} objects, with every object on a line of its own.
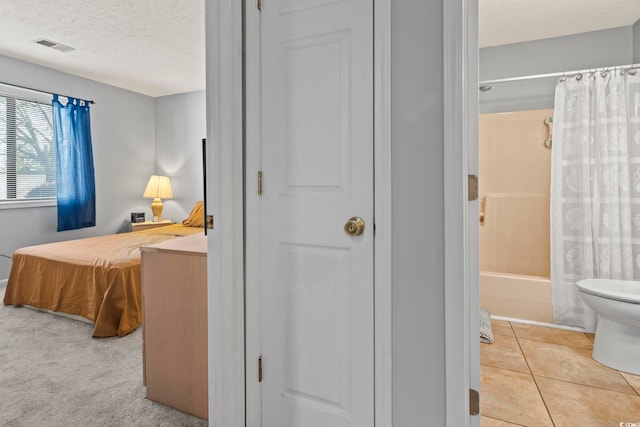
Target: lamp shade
[{"x": 158, "y": 187}]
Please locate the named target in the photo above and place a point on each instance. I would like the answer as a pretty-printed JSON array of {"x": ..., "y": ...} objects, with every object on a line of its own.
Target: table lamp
[{"x": 158, "y": 188}]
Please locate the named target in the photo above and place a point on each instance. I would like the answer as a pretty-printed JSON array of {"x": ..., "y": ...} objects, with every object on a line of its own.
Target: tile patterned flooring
[{"x": 539, "y": 376}]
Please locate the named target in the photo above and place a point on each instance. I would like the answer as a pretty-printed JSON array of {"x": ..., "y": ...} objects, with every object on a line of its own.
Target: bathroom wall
[
  {"x": 515, "y": 172},
  {"x": 515, "y": 166},
  {"x": 576, "y": 52}
]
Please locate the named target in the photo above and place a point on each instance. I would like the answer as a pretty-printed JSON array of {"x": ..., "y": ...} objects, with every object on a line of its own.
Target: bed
[{"x": 97, "y": 278}]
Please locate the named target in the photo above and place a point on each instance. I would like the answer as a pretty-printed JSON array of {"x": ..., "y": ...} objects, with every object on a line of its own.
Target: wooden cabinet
[{"x": 174, "y": 307}]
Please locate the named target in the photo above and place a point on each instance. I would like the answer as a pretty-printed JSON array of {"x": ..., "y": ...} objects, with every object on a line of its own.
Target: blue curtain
[{"x": 74, "y": 164}]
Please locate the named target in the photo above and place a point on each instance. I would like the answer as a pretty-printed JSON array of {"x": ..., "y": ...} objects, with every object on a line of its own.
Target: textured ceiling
[
  {"x": 156, "y": 47},
  {"x": 513, "y": 21}
]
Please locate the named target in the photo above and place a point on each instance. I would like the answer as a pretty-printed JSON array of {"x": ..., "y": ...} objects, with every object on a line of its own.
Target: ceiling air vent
[{"x": 54, "y": 45}]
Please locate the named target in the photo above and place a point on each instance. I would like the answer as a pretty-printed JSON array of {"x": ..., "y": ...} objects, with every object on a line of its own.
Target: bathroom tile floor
[{"x": 539, "y": 376}]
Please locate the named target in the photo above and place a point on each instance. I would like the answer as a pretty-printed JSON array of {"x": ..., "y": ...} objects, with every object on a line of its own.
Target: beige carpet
[{"x": 52, "y": 373}]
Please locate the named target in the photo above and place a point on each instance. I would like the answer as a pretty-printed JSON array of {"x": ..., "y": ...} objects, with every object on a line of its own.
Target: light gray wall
[
  {"x": 180, "y": 128},
  {"x": 576, "y": 52},
  {"x": 636, "y": 42},
  {"x": 123, "y": 135},
  {"x": 417, "y": 213}
]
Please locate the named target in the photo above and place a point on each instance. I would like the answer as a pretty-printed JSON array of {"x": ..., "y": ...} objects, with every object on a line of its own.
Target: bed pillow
[{"x": 196, "y": 217}]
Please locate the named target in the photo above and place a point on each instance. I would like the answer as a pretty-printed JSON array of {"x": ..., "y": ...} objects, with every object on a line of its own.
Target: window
[{"x": 27, "y": 150}]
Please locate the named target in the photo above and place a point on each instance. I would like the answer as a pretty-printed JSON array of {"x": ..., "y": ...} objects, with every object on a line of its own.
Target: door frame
[
  {"x": 230, "y": 113},
  {"x": 225, "y": 247},
  {"x": 461, "y": 288}
]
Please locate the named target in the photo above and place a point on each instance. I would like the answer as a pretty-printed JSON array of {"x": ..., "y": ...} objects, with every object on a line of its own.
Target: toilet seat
[{"x": 620, "y": 290}]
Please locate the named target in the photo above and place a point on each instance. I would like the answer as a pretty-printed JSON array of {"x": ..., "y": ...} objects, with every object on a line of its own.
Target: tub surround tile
[
  {"x": 492, "y": 422},
  {"x": 551, "y": 335},
  {"x": 512, "y": 396},
  {"x": 634, "y": 380},
  {"x": 504, "y": 353},
  {"x": 578, "y": 405},
  {"x": 501, "y": 327},
  {"x": 571, "y": 364}
]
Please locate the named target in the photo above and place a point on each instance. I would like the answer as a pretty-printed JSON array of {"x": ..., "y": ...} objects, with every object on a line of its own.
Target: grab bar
[{"x": 549, "y": 141}]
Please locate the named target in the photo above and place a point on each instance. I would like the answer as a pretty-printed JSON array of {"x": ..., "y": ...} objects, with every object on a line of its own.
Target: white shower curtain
[{"x": 595, "y": 187}]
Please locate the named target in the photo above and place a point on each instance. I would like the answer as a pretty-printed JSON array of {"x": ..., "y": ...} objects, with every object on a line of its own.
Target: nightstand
[{"x": 138, "y": 226}]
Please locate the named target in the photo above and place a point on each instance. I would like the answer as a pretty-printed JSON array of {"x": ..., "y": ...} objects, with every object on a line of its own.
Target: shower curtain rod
[
  {"x": 44, "y": 91},
  {"x": 560, "y": 74}
]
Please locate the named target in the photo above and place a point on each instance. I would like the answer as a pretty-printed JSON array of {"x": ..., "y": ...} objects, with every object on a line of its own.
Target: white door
[{"x": 316, "y": 281}]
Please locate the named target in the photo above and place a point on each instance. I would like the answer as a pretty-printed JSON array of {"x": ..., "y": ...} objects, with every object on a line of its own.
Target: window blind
[{"x": 27, "y": 150}]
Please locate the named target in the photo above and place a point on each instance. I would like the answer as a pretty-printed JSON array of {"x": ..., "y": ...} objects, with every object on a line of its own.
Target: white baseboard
[
  {"x": 3, "y": 283},
  {"x": 533, "y": 322}
]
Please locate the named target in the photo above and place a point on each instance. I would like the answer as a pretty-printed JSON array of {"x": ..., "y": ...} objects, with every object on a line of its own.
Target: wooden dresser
[{"x": 174, "y": 323}]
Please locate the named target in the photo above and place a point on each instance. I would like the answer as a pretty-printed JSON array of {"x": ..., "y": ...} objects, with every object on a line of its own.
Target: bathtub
[{"x": 516, "y": 296}]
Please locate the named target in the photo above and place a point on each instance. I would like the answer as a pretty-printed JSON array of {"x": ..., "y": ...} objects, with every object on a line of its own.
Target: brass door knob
[{"x": 354, "y": 226}]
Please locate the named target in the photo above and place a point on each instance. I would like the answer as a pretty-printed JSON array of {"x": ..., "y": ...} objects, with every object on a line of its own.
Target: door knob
[{"x": 354, "y": 226}]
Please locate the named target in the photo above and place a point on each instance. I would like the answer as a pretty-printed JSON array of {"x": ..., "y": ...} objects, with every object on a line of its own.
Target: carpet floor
[{"x": 52, "y": 373}]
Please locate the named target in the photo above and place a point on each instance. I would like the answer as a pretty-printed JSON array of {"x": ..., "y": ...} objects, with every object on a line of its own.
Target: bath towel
[{"x": 486, "y": 335}]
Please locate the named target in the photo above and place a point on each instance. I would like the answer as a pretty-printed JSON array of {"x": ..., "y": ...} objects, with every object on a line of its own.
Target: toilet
[{"x": 617, "y": 306}]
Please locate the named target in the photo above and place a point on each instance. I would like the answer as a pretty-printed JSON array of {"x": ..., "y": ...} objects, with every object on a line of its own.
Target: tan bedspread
[{"x": 97, "y": 278}]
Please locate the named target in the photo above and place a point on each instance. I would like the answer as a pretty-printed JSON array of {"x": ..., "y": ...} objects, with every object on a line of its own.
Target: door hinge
[
  {"x": 259, "y": 4},
  {"x": 472, "y": 187},
  {"x": 210, "y": 222},
  {"x": 474, "y": 402},
  {"x": 259, "y": 183},
  {"x": 259, "y": 369}
]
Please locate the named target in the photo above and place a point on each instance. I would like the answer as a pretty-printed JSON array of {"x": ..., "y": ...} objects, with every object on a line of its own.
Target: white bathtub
[{"x": 516, "y": 296}]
